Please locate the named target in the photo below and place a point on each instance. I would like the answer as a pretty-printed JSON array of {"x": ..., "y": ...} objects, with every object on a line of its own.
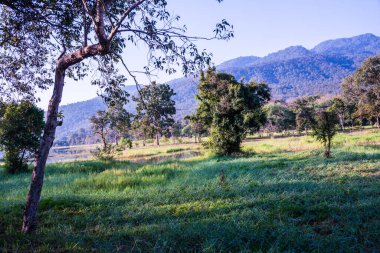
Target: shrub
[{"x": 21, "y": 125}]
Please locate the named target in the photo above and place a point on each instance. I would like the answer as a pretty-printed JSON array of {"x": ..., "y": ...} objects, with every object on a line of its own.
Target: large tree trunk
[
  {"x": 33, "y": 198},
  {"x": 378, "y": 121}
]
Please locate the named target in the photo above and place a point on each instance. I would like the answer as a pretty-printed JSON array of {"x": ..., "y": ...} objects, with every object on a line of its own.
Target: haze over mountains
[{"x": 290, "y": 73}]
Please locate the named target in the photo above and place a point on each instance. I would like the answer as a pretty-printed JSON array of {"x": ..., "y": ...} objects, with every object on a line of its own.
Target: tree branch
[{"x": 126, "y": 13}]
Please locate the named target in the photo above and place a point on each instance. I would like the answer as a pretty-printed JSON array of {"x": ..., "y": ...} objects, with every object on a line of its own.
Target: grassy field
[{"x": 282, "y": 196}]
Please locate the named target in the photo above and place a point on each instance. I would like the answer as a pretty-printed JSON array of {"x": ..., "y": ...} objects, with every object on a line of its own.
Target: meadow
[{"x": 281, "y": 195}]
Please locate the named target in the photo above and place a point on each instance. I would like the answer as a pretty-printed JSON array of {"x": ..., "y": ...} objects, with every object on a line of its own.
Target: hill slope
[{"x": 292, "y": 72}]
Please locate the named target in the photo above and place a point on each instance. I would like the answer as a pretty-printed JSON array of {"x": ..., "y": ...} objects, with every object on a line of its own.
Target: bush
[
  {"x": 13, "y": 164},
  {"x": 21, "y": 126},
  {"x": 102, "y": 154}
]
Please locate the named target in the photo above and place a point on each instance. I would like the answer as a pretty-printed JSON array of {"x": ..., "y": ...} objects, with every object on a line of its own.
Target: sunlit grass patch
[{"x": 281, "y": 195}]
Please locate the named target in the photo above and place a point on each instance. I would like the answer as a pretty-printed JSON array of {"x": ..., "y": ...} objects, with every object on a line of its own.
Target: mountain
[{"x": 290, "y": 73}]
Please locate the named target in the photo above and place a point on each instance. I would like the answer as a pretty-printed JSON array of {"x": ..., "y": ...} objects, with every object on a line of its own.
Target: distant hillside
[
  {"x": 77, "y": 114},
  {"x": 292, "y": 72}
]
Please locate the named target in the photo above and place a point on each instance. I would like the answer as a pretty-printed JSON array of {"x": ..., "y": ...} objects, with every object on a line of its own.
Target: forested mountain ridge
[{"x": 290, "y": 73}]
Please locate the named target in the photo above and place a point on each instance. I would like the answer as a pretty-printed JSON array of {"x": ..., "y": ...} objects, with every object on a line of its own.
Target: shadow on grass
[
  {"x": 270, "y": 203},
  {"x": 272, "y": 216}
]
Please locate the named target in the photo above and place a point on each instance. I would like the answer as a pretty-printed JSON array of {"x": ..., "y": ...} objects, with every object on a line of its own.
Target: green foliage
[
  {"x": 324, "y": 129},
  {"x": 44, "y": 27},
  {"x": 342, "y": 109},
  {"x": 21, "y": 125},
  {"x": 112, "y": 125},
  {"x": 155, "y": 109},
  {"x": 230, "y": 109},
  {"x": 279, "y": 117},
  {"x": 276, "y": 200},
  {"x": 362, "y": 89},
  {"x": 288, "y": 76},
  {"x": 305, "y": 109},
  {"x": 187, "y": 131}
]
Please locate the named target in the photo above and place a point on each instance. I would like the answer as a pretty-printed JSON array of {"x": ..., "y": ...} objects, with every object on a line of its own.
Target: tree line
[{"x": 227, "y": 112}]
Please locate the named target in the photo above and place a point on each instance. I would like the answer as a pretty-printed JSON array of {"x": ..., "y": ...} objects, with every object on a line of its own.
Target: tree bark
[
  {"x": 158, "y": 139},
  {"x": 34, "y": 195},
  {"x": 104, "y": 141},
  {"x": 378, "y": 121},
  {"x": 341, "y": 119}
]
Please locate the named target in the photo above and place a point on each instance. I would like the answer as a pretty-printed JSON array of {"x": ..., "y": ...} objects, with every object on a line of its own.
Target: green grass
[{"x": 284, "y": 197}]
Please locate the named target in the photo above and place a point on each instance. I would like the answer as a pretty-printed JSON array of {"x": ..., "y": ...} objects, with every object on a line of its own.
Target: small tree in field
[
  {"x": 20, "y": 132},
  {"x": 115, "y": 122},
  {"x": 155, "y": 109},
  {"x": 324, "y": 129},
  {"x": 230, "y": 109}
]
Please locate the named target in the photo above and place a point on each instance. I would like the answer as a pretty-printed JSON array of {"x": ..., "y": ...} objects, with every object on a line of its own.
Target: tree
[
  {"x": 339, "y": 107},
  {"x": 351, "y": 97},
  {"x": 100, "y": 124},
  {"x": 230, "y": 109},
  {"x": 40, "y": 36},
  {"x": 176, "y": 131},
  {"x": 21, "y": 127},
  {"x": 111, "y": 124},
  {"x": 120, "y": 122},
  {"x": 279, "y": 117},
  {"x": 367, "y": 80},
  {"x": 195, "y": 127},
  {"x": 304, "y": 108},
  {"x": 155, "y": 109},
  {"x": 187, "y": 131},
  {"x": 324, "y": 129},
  {"x": 141, "y": 127}
]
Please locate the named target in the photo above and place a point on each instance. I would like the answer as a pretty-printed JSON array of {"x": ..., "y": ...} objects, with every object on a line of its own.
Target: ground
[{"x": 281, "y": 196}]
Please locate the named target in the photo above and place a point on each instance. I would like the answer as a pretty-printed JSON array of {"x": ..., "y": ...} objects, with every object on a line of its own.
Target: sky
[{"x": 261, "y": 27}]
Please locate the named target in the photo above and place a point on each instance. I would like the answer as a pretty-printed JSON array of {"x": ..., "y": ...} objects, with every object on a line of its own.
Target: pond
[{"x": 67, "y": 154}]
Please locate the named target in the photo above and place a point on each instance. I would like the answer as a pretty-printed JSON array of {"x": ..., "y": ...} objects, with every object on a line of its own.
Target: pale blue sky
[{"x": 261, "y": 27}]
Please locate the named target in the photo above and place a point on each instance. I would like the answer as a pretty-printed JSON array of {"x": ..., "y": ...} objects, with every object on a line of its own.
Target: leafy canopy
[
  {"x": 20, "y": 132},
  {"x": 230, "y": 109},
  {"x": 34, "y": 34},
  {"x": 155, "y": 109}
]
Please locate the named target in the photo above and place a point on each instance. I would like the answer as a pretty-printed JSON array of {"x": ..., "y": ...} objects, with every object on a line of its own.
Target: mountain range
[{"x": 290, "y": 73}]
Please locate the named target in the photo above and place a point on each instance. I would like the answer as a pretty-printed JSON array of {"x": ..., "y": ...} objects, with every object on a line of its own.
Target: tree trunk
[
  {"x": 378, "y": 121},
  {"x": 104, "y": 141},
  {"x": 328, "y": 148},
  {"x": 34, "y": 195},
  {"x": 341, "y": 118},
  {"x": 361, "y": 122},
  {"x": 158, "y": 139}
]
